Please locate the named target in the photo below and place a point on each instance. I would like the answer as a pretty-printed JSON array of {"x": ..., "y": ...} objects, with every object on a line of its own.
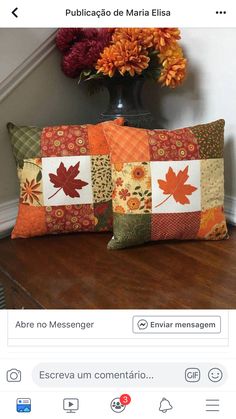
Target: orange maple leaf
[{"x": 174, "y": 185}]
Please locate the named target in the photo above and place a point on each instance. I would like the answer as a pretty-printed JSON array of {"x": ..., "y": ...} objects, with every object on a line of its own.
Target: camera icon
[{"x": 13, "y": 376}]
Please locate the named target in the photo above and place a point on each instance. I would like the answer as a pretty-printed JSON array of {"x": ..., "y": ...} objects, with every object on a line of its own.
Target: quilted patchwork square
[
  {"x": 212, "y": 179},
  {"x": 103, "y": 216},
  {"x": 178, "y": 225},
  {"x": 131, "y": 193},
  {"x": 177, "y": 192},
  {"x": 173, "y": 145},
  {"x": 212, "y": 224},
  {"x": 25, "y": 141},
  {"x": 101, "y": 178},
  {"x": 65, "y": 179},
  {"x": 176, "y": 186},
  {"x": 65, "y": 140},
  {"x": 126, "y": 145},
  {"x": 130, "y": 230},
  {"x": 70, "y": 218},
  {"x": 30, "y": 177}
]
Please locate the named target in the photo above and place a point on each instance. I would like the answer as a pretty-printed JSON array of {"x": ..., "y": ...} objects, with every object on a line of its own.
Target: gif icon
[{"x": 192, "y": 375}]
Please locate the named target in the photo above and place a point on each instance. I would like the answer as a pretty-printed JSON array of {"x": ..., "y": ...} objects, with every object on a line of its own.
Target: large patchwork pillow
[
  {"x": 65, "y": 179},
  {"x": 167, "y": 184}
]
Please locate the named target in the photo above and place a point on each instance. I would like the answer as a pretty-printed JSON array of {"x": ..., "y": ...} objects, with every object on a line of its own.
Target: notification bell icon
[{"x": 165, "y": 405}]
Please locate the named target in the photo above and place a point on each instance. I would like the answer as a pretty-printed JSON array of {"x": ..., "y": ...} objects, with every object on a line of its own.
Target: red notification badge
[{"x": 125, "y": 399}]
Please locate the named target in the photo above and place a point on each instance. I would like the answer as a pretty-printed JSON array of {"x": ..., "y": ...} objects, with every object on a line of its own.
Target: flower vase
[{"x": 125, "y": 101}]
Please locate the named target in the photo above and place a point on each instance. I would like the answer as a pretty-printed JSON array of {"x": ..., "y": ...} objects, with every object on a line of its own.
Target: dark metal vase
[{"x": 125, "y": 100}]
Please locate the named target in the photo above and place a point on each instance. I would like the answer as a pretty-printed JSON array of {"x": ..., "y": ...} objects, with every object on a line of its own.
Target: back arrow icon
[{"x": 14, "y": 12}]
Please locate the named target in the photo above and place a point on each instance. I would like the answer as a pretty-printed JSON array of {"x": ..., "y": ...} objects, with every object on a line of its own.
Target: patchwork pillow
[
  {"x": 65, "y": 179},
  {"x": 167, "y": 184}
]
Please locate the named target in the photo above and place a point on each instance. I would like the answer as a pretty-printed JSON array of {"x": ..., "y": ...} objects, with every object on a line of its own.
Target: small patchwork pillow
[
  {"x": 167, "y": 184},
  {"x": 65, "y": 179}
]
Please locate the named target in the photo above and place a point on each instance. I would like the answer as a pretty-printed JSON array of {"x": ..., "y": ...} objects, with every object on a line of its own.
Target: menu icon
[{"x": 212, "y": 405}]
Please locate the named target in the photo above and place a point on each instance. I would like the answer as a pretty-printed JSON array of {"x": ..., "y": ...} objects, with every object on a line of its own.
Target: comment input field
[
  {"x": 116, "y": 328},
  {"x": 68, "y": 374}
]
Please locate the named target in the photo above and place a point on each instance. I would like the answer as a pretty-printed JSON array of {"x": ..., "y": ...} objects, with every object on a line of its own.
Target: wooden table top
[{"x": 77, "y": 271}]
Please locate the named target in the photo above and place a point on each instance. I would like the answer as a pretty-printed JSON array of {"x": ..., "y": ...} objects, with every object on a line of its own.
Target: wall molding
[
  {"x": 8, "y": 213},
  {"x": 27, "y": 66}
]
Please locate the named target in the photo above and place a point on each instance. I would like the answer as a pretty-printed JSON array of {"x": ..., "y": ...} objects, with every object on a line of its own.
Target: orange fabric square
[
  {"x": 213, "y": 224},
  {"x": 97, "y": 140},
  {"x": 30, "y": 222},
  {"x": 127, "y": 144}
]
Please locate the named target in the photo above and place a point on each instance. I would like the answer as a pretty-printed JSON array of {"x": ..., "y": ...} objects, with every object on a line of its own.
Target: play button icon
[{"x": 71, "y": 405}]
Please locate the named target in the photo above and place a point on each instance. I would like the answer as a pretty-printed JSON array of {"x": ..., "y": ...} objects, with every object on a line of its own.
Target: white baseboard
[
  {"x": 8, "y": 213},
  {"x": 230, "y": 209}
]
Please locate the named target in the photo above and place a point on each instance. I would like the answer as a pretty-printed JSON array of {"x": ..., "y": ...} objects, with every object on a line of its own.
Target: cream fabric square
[
  {"x": 212, "y": 183},
  {"x": 54, "y": 196},
  {"x": 181, "y": 182}
]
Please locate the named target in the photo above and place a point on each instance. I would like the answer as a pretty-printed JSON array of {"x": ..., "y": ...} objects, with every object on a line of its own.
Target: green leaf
[
  {"x": 39, "y": 176},
  {"x": 137, "y": 187},
  {"x": 21, "y": 164}
]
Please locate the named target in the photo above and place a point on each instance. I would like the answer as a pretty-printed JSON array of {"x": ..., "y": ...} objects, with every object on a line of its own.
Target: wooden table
[{"x": 77, "y": 271}]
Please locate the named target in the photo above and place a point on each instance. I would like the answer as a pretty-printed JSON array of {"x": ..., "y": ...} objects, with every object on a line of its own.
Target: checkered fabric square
[
  {"x": 167, "y": 184},
  {"x": 65, "y": 179}
]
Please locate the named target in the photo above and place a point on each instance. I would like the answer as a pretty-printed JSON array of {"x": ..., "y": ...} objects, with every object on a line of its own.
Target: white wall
[
  {"x": 46, "y": 96},
  {"x": 16, "y": 45},
  {"x": 209, "y": 92}
]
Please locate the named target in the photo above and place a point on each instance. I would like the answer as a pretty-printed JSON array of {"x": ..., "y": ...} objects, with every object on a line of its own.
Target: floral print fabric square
[
  {"x": 177, "y": 192},
  {"x": 65, "y": 179}
]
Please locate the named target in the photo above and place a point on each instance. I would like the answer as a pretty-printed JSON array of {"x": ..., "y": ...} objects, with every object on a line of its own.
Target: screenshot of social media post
[{"x": 117, "y": 210}]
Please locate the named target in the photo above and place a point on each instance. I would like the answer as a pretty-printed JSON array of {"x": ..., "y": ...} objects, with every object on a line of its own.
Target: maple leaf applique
[
  {"x": 174, "y": 186},
  {"x": 65, "y": 179}
]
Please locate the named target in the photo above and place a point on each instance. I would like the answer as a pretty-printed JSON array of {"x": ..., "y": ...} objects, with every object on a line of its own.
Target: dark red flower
[
  {"x": 66, "y": 37},
  {"x": 82, "y": 56},
  {"x": 90, "y": 33},
  {"x": 81, "y": 48}
]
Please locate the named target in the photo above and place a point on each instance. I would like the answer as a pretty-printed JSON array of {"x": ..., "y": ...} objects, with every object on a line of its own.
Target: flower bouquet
[
  {"x": 95, "y": 54},
  {"x": 121, "y": 59}
]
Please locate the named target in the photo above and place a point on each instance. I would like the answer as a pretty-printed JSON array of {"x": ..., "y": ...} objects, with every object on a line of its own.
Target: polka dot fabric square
[
  {"x": 65, "y": 179},
  {"x": 167, "y": 184}
]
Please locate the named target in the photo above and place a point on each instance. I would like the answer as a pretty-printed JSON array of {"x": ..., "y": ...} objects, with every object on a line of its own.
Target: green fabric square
[
  {"x": 130, "y": 230},
  {"x": 25, "y": 141}
]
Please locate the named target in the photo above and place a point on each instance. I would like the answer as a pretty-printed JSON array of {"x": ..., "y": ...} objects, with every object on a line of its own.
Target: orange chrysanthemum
[
  {"x": 164, "y": 37},
  {"x": 125, "y": 56},
  {"x": 174, "y": 72},
  {"x": 173, "y": 50},
  {"x": 144, "y": 36}
]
